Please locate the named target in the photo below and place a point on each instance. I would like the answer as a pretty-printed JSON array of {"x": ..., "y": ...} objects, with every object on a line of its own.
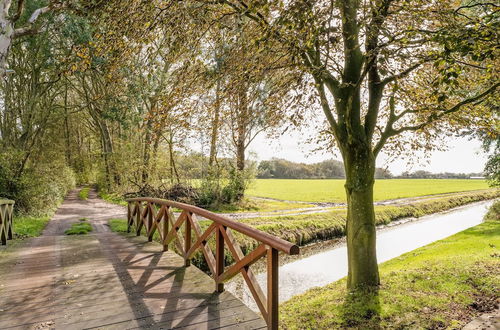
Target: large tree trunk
[
  {"x": 359, "y": 163},
  {"x": 240, "y": 154}
]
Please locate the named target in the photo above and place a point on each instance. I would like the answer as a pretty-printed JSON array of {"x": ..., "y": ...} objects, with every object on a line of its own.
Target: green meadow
[{"x": 332, "y": 190}]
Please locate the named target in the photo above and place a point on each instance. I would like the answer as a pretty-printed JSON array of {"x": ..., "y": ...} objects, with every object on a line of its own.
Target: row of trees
[
  {"x": 328, "y": 169},
  {"x": 114, "y": 90}
]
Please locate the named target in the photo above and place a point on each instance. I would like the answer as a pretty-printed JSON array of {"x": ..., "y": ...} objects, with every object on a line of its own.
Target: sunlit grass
[
  {"x": 28, "y": 226},
  {"x": 333, "y": 190},
  {"x": 79, "y": 228},
  {"x": 441, "y": 285}
]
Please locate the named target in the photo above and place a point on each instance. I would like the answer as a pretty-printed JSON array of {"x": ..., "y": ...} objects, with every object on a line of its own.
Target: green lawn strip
[
  {"x": 442, "y": 285},
  {"x": 79, "y": 228},
  {"x": 332, "y": 190},
  {"x": 84, "y": 193}
]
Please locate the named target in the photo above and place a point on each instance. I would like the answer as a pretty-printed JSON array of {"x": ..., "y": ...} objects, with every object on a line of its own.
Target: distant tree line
[
  {"x": 277, "y": 168},
  {"x": 328, "y": 169},
  {"x": 421, "y": 174}
]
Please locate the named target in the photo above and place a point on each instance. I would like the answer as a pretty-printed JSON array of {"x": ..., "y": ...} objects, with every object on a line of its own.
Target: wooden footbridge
[{"x": 107, "y": 281}]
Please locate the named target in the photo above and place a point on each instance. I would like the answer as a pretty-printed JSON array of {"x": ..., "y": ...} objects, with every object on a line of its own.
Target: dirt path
[{"x": 103, "y": 280}]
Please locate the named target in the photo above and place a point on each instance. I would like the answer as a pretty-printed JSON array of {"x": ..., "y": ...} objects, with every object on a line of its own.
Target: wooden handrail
[
  {"x": 273, "y": 241},
  {"x": 6, "y": 211},
  {"x": 154, "y": 214}
]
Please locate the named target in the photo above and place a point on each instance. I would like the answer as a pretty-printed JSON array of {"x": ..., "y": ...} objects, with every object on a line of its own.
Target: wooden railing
[
  {"x": 6, "y": 210},
  {"x": 157, "y": 215}
]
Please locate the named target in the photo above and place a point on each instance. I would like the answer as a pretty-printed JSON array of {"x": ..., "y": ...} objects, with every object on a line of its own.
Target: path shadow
[{"x": 361, "y": 309}]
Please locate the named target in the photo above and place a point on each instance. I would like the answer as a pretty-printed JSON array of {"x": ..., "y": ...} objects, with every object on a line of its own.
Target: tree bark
[
  {"x": 215, "y": 127},
  {"x": 359, "y": 163},
  {"x": 6, "y": 35}
]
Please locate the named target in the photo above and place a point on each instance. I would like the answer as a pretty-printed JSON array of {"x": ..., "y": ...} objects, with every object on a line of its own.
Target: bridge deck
[{"x": 106, "y": 281}]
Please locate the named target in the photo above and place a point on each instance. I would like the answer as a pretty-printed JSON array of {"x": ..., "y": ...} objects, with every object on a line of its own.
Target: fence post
[
  {"x": 187, "y": 240},
  {"x": 272, "y": 288},
  {"x": 219, "y": 258},
  {"x": 129, "y": 217}
]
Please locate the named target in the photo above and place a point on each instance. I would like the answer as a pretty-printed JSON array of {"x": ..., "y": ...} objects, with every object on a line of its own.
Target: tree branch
[{"x": 436, "y": 116}]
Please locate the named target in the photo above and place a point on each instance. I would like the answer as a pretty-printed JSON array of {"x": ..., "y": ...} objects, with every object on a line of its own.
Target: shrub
[{"x": 38, "y": 190}]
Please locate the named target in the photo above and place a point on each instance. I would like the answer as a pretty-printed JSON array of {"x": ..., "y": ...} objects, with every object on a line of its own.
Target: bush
[{"x": 38, "y": 190}]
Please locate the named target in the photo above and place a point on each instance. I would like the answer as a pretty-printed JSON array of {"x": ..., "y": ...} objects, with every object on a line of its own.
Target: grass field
[
  {"x": 440, "y": 286},
  {"x": 333, "y": 190}
]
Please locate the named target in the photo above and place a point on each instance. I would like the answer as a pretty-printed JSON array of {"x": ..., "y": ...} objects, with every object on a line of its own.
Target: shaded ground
[{"x": 105, "y": 281}]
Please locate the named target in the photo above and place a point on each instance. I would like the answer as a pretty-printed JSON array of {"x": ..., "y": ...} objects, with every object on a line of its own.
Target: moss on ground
[{"x": 440, "y": 286}]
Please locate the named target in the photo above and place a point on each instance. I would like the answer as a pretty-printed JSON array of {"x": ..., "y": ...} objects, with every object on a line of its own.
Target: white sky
[{"x": 463, "y": 156}]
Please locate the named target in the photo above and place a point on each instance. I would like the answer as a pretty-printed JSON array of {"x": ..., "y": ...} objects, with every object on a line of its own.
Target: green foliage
[
  {"x": 441, "y": 285},
  {"x": 28, "y": 226},
  {"x": 79, "y": 228},
  {"x": 223, "y": 187},
  {"x": 333, "y": 191},
  {"x": 39, "y": 189},
  {"x": 493, "y": 213},
  {"x": 84, "y": 193},
  {"x": 492, "y": 169}
]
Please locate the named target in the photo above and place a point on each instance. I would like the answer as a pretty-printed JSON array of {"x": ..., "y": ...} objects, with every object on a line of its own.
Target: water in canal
[{"x": 329, "y": 266}]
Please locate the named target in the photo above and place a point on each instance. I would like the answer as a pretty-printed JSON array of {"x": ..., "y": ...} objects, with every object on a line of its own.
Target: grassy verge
[
  {"x": 309, "y": 228},
  {"x": 333, "y": 190},
  {"x": 304, "y": 229},
  {"x": 251, "y": 204},
  {"x": 442, "y": 285},
  {"x": 84, "y": 193},
  {"x": 79, "y": 228},
  {"x": 112, "y": 198},
  {"x": 28, "y": 226}
]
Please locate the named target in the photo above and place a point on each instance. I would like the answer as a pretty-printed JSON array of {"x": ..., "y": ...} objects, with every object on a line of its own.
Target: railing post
[
  {"x": 138, "y": 222},
  {"x": 10, "y": 207},
  {"x": 3, "y": 223},
  {"x": 187, "y": 240},
  {"x": 150, "y": 222},
  {"x": 272, "y": 288},
  {"x": 129, "y": 217},
  {"x": 165, "y": 228},
  {"x": 219, "y": 258}
]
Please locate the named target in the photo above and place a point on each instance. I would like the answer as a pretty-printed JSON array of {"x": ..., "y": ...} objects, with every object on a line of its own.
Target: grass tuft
[
  {"x": 84, "y": 193},
  {"x": 79, "y": 228}
]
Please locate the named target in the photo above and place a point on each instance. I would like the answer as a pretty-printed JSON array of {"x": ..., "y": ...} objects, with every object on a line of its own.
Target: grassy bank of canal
[{"x": 442, "y": 285}]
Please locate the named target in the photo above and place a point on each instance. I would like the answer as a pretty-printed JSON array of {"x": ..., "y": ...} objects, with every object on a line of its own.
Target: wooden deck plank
[{"x": 107, "y": 281}]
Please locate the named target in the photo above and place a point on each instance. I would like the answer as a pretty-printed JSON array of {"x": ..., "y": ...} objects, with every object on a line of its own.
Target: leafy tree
[{"x": 382, "y": 71}]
